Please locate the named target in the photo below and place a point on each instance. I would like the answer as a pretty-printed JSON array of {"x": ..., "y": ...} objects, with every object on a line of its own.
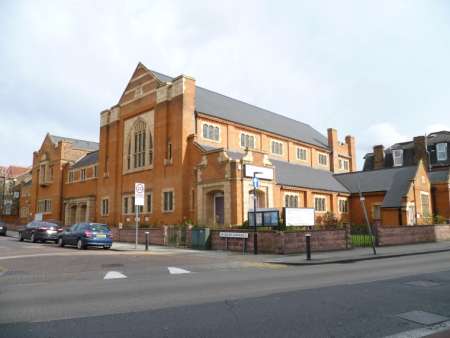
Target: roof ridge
[
  {"x": 239, "y": 100},
  {"x": 379, "y": 169},
  {"x": 253, "y": 105},
  {"x": 71, "y": 138}
]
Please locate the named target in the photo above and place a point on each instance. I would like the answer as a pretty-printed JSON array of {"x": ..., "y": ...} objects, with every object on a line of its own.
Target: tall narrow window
[
  {"x": 441, "y": 149},
  {"x": 105, "y": 207},
  {"x": 169, "y": 151},
  {"x": 83, "y": 174},
  {"x": 125, "y": 205},
  {"x": 139, "y": 145},
  {"x": 397, "y": 155},
  {"x": 168, "y": 200}
]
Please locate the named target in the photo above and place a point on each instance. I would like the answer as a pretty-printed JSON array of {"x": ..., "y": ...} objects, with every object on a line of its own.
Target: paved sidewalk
[
  {"x": 318, "y": 258},
  {"x": 363, "y": 254}
]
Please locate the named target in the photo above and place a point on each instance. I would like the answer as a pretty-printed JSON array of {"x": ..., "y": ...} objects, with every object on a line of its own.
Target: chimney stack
[
  {"x": 378, "y": 156},
  {"x": 420, "y": 150}
]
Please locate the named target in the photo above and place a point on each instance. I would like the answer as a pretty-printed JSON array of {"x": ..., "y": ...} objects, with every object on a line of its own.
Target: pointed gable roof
[{"x": 76, "y": 143}]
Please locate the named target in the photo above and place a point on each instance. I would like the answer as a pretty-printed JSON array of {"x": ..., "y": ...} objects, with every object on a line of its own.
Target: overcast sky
[{"x": 378, "y": 70}]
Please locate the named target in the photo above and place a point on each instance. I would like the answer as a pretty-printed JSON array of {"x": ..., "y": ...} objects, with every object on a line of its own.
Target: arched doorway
[
  {"x": 215, "y": 207},
  {"x": 219, "y": 208}
]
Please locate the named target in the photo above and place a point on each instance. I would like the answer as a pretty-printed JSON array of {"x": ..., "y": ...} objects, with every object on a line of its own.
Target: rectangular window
[
  {"x": 105, "y": 207},
  {"x": 277, "y": 148},
  {"x": 83, "y": 174},
  {"x": 70, "y": 176},
  {"x": 168, "y": 200},
  {"x": 346, "y": 165},
  {"x": 290, "y": 201},
  {"x": 376, "y": 211},
  {"x": 133, "y": 206},
  {"x": 125, "y": 205},
  {"x": 247, "y": 141},
  {"x": 211, "y": 132},
  {"x": 95, "y": 171},
  {"x": 149, "y": 202},
  {"x": 320, "y": 204},
  {"x": 323, "y": 159},
  {"x": 441, "y": 149},
  {"x": 45, "y": 205},
  {"x": 343, "y": 206},
  {"x": 397, "y": 156},
  {"x": 301, "y": 154},
  {"x": 425, "y": 202}
]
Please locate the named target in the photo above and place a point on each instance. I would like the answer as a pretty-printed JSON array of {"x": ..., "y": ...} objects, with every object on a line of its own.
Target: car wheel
[
  {"x": 61, "y": 242},
  {"x": 33, "y": 238},
  {"x": 20, "y": 237},
  {"x": 106, "y": 247},
  {"x": 80, "y": 245}
]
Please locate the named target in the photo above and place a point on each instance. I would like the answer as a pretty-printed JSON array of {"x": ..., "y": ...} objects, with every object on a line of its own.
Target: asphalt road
[{"x": 46, "y": 291}]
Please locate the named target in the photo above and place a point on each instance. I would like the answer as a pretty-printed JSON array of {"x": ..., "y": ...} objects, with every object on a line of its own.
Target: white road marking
[
  {"x": 422, "y": 332},
  {"x": 177, "y": 271},
  {"x": 114, "y": 275}
]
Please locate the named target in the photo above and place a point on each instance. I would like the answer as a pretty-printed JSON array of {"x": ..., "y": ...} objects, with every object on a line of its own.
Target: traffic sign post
[
  {"x": 139, "y": 195},
  {"x": 255, "y": 181}
]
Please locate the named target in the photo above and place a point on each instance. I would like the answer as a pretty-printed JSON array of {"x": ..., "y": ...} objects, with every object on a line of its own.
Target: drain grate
[
  {"x": 422, "y": 317},
  {"x": 423, "y": 283}
]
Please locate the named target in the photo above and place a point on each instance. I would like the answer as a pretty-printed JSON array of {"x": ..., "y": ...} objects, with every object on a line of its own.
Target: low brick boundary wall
[
  {"x": 279, "y": 242},
  {"x": 412, "y": 234},
  {"x": 156, "y": 235}
]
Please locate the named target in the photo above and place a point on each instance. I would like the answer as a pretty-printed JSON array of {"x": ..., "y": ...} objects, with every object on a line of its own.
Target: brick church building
[{"x": 196, "y": 151}]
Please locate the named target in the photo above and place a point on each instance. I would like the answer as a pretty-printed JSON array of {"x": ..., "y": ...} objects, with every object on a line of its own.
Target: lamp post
[{"x": 255, "y": 182}]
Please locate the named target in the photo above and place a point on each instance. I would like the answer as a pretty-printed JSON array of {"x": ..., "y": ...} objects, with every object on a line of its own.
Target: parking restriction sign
[{"x": 139, "y": 192}]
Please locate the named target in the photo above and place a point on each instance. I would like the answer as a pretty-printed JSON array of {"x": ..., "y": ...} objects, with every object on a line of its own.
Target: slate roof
[
  {"x": 297, "y": 175},
  {"x": 439, "y": 176},
  {"x": 294, "y": 175},
  {"x": 409, "y": 157},
  {"x": 394, "y": 181},
  {"x": 224, "y": 107},
  {"x": 89, "y": 159},
  {"x": 76, "y": 143}
]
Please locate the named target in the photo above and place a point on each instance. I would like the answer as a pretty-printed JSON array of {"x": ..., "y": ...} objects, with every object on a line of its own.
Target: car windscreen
[{"x": 98, "y": 227}]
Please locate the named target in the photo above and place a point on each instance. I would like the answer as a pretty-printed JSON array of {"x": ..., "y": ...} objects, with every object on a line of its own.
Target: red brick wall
[
  {"x": 277, "y": 242},
  {"x": 412, "y": 234},
  {"x": 156, "y": 236}
]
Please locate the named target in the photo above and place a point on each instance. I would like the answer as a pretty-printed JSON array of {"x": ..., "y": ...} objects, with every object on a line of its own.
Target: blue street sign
[{"x": 255, "y": 182}]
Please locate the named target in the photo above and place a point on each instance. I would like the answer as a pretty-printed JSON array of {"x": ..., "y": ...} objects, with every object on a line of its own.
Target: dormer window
[
  {"x": 397, "y": 155},
  {"x": 441, "y": 150}
]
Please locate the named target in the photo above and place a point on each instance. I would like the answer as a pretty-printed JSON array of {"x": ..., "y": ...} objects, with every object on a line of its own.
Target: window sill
[{"x": 168, "y": 162}]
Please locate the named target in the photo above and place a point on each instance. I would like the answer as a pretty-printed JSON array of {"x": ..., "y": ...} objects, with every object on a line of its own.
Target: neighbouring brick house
[
  {"x": 433, "y": 151},
  {"x": 12, "y": 179},
  {"x": 195, "y": 150},
  {"x": 392, "y": 196}
]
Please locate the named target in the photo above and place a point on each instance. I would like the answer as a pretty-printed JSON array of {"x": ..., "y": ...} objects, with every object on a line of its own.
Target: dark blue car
[{"x": 84, "y": 235}]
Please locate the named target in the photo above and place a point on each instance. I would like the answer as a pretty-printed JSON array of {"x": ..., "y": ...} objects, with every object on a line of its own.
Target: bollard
[
  {"x": 146, "y": 240},
  {"x": 308, "y": 246}
]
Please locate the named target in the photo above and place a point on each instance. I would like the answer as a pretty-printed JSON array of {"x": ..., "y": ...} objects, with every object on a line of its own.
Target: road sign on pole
[{"x": 139, "y": 195}]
